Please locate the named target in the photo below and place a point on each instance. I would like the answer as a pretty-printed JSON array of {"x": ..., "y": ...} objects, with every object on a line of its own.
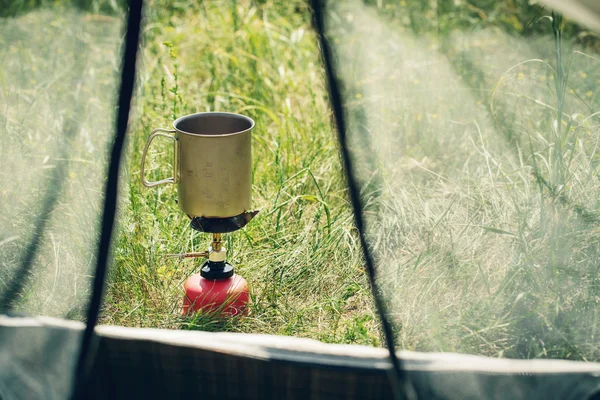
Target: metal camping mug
[{"x": 212, "y": 164}]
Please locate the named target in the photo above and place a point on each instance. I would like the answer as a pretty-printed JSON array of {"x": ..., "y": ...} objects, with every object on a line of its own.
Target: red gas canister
[{"x": 225, "y": 297}]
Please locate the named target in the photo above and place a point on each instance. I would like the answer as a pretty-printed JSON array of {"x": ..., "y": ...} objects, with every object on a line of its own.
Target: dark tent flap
[{"x": 157, "y": 363}]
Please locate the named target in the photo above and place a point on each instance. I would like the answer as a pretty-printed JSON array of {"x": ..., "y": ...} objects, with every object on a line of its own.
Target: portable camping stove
[
  {"x": 216, "y": 288},
  {"x": 212, "y": 168}
]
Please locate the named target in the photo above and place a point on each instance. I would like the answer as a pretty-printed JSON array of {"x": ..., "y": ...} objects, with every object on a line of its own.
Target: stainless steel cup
[{"x": 213, "y": 163}]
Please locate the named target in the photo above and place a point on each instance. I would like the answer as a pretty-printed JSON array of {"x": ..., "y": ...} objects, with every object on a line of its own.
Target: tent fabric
[
  {"x": 586, "y": 12},
  {"x": 154, "y": 363},
  {"x": 39, "y": 354},
  {"x": 445, "y": 124},
  {"x": 109, "y": 210},
  {"x": 399, "y": 378},
  {"x": 55, "y": 126}
]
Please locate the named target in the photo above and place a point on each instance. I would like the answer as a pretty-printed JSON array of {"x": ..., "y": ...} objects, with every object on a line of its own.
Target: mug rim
[{"x": 216, "y": 113}]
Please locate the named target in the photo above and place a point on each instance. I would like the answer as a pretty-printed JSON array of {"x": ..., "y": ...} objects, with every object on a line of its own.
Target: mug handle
[{"x": 155, "y": 133}]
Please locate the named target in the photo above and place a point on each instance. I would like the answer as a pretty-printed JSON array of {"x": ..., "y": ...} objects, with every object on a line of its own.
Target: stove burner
[{"x": 222, "y": 225}]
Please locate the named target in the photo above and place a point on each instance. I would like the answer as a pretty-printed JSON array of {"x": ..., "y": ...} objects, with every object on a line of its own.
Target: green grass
[
  {"x": 300, "y": 253},
  {"x": 482, "y": 212}
]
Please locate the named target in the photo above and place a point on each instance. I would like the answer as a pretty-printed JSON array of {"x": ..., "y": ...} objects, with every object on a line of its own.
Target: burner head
[
  {"x": 222, "y": 225},
  {"x": 216, "y": 270}
]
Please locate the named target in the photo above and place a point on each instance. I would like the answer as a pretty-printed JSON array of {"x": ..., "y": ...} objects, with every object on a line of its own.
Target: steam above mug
[{"x": 212, "y": 164}]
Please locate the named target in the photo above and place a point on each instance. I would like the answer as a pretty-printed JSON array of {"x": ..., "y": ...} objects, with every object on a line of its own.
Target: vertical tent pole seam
[
  {"x": 128, "y": 69},
  {"x": 399, "y": 381}
]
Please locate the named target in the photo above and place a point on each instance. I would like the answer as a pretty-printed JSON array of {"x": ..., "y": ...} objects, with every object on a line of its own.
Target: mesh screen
[
  {"x": 58, "y": 85},
  {"x": 475, "y": 137}
]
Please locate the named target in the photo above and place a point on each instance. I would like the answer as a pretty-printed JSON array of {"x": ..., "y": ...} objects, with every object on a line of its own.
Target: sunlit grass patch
[{"x": 300, "y": 253}]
